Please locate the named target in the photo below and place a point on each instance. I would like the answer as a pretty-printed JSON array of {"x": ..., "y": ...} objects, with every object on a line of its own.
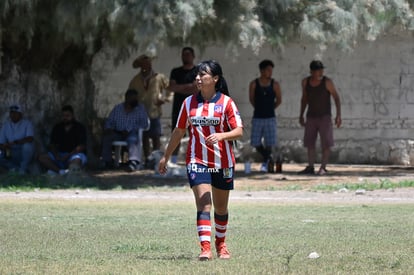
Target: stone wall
[
  {"x": 375, "y": 82},
  {"x": 42, "y": 99}
]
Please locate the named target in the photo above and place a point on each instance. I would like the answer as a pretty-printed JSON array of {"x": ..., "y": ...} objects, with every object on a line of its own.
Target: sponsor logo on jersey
[{"x": 204, "y": 121}]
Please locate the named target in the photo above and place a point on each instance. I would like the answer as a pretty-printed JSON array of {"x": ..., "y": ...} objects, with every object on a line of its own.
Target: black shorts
[{"x": 219, "y": 178}]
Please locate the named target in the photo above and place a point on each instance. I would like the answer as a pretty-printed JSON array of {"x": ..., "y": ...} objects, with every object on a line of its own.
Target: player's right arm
[{"x": 175, "y": 139}]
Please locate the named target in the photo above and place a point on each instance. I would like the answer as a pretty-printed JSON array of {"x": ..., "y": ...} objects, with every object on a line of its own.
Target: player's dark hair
[{"x": 213, "y": 68}]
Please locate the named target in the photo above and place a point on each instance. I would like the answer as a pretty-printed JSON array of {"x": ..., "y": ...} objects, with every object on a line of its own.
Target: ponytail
[{"x": 221, "y": 86}]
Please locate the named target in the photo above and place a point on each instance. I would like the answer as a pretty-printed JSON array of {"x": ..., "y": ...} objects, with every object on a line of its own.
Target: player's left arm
[
  {"x": 235, "y": 123},
  {"x": 332, "y": 90},
  {"x": 233, "y": 134}
]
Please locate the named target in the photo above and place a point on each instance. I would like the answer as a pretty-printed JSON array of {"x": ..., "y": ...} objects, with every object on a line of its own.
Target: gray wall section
[{"x": 375, "y": 83}]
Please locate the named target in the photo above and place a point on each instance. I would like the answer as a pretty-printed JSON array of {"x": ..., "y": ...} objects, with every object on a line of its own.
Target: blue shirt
[
  {"x": 14, "y": 131},
  {"x": 119, "y": 120}
]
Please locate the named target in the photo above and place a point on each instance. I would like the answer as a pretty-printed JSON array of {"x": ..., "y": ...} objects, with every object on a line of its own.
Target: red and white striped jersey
[{"x": 203, "y": 118}]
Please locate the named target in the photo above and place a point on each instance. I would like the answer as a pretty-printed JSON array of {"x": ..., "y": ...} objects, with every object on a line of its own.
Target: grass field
[{"x": 159, "y": 237}]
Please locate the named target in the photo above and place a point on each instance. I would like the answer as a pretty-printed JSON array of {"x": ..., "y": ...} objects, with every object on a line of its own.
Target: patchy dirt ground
[
  {"x": 256, "y": 186},
  {"x": 338, "y": 174}
]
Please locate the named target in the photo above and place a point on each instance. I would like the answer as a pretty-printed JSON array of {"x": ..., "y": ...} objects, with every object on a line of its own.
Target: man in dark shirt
[
  {"x": 317, "y": 91},
  {"x": 67, "y": 145},
  {"x": 182, "y": 84},
  {"x": 265, "y": 96}
]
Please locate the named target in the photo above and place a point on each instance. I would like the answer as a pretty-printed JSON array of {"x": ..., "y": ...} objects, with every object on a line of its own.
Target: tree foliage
[{"x": 44, "y": 33}]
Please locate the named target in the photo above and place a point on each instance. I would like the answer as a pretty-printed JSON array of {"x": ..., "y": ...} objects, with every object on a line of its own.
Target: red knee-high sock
[
  {"x": 204, "y": 228},
  {"x": 221, "y": 222}
]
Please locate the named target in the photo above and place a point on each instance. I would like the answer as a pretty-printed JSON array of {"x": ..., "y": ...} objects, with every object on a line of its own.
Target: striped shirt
[
  {"x": 119, "y": 120},
  {"x": 204, "y": 118}
]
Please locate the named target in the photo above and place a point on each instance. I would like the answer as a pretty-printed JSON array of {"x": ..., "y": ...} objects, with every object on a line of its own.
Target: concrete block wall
[{"x": 375, "y": 83}]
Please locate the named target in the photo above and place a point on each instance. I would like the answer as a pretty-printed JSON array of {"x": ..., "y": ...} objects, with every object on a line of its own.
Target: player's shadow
[{"x": 128, "y": 181}]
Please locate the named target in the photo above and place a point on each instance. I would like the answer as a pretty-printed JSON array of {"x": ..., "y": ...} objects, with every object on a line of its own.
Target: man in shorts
[
  {"x": 265, "y": 96},
  {"x": 317, "y": 91}
]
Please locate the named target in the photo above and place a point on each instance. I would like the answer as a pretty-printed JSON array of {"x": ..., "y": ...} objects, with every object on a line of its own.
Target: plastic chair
[{"x": 120, "y": 144}]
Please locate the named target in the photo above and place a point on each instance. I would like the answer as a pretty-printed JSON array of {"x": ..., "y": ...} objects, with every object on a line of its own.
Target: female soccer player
[{"x": 213, "y": 121}]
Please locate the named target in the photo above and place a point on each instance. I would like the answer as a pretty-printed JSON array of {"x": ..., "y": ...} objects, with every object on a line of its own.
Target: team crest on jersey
[{"x": 218, "y": 108}]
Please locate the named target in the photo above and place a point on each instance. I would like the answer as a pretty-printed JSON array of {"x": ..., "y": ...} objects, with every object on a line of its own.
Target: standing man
[
  {"x": 67, "y": 145},
  {"x": 265, "y": 96},
  {"x": 16, "y": 141},
  {"x": 151, "y": 87},
  {"x": 317, "y": 90},
  {"x": 182, "y": 84},
  {"x": 124, "y": 123}
]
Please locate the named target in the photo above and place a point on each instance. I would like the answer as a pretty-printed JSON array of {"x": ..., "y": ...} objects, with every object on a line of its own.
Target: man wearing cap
[
  {"x": 152, "y": 93},
  {"x": 16, "y": 141},
  {"x": 317, "y": 91}
]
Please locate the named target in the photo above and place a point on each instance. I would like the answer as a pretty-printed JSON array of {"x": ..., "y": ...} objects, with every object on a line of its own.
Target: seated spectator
[
  {"x": 16, "y": 141},
  {"x": 123, "y": 124},
  {"x": 66, "y": 151}
]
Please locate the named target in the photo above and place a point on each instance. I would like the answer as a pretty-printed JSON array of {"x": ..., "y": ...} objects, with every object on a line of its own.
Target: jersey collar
[{"x": 213, "y": 100}]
